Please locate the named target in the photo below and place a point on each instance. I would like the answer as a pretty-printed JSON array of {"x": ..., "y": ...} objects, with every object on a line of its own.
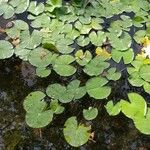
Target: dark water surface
[{"x": 18, "y": 79}]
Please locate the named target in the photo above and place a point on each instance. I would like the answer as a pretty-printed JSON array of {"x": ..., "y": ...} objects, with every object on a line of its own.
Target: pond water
[{"x": 18, "y": 79}]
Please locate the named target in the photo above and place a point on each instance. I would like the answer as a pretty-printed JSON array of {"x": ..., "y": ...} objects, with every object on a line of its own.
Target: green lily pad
[
  {"x": 96, "y": 66},
  {"x": 98, "y": 38},
  {"x": 66, "y": 94},
  {"x": 145, "y": 72},
  {"x": 35, "y": 8},
  {"x": 40, "y": 57},
  {"x": 40, "y": 119},
  {"x": 83, "y": 58},
  {"x": 62, "y": 65},
  {"x": 6, "y": 49},
  {"x": 127, "y": 55},
  {"x": 90, "y": 114},
  {"x": 43, "y": 72},
  {"x": 112, "y": 109},
  {"x": 83, "y": 41},
  {"x": 113, "y": 75},
  {"x": 34, "y": 102},
  {"x": 142, "y": 124},
  {"x": 136, "y": 108},
  {"x": 76, "y": 135},
  {"x": 96, "y": 88}
]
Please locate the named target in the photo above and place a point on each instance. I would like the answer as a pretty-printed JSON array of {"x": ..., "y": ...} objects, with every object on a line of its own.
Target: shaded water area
[{"x": 18, "y": 79}]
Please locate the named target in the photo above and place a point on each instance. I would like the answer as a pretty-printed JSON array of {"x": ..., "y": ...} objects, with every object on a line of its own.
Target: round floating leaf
[
  {"x": 96, "y": 88},
  {"x": 59, "y": 92},
  {"x": 35, "y": 8},
  {"x": 136, "y": 108},
  {"x": 76, "y": 135},
  {"x": 98, "y": 38},
  {"x": 112, "y": 109},
  {"x": 40, "y": 119},
  {"x": 146, "y": 87},
  {"x": 90, "y": 114},
  {"x": 34, "y": 102},
  {"x": 113, "y": 75},
  {"x": 83, "y": 58},
  {"x": 74, "y": 89},
  {"x": 40, "y": 57},
  {"x": 6, "y": 49},
  {"x": 142, "y": 123},
  {"x": 83, "y": 41},
  {"x": 145, "y": 72},
  {"x": 62, "y": 65},
  {"x": 43, "y": 72},
  {"x": 127, "y": 55},
  {"x": 122, "y": 43},
  {"x": 96, "y": 66}
]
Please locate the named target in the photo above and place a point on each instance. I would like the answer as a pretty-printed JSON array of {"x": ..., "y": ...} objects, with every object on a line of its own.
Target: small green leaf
[
  {"x": 112, "y": 109},
  {"x": 90, "y": 114}
]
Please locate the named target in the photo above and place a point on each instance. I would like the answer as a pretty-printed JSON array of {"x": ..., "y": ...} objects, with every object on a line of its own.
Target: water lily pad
[
  {"x": 66, "y": 94},
  {"x": 136, "y": 108},
  {"x": 96, "y": 88},
  {"x": 83, "y": 41},
  {"x": 127, "y": 55},
  {"x": 112, "y": 109},
  {"x": 36, "y": 8},
  {"x": 6, "y": 49},
  {"x": 142, "y": 123},
  {"x": 43, "y": 72},
  {"x": 145, "y": 72},
  {"x": 90, "y": 114},
  {"x": 96, "y": 66},
  {"x": 98, "y": 38},
  {"x": 113, "y": 75},
  {"x": 62, "y": 65},
  {"x": 40, "y": 119},
  {"x": 40, "y": 57},
  {"x": 34, "y": 102},
  {"x": 76, "y": 135},
  {"x": 83, "y": 58}
]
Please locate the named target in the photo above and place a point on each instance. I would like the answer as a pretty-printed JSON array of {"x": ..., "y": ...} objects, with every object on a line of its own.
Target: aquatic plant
[{"x": 75, "y": 37}]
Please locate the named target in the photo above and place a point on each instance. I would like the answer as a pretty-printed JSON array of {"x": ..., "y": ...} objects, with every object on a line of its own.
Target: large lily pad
[
  {"x": 96, "y": 88},
  {"x": 76, "y": 135},
  {"x": 40, "y": 57},
  {"x": 136, "y": 108}
]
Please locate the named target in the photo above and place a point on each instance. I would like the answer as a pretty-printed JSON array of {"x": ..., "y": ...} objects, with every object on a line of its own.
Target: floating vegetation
[{"x": 92, "y": 37}]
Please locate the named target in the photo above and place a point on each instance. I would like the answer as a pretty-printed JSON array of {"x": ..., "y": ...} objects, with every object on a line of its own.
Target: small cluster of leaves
[
  {"x": 38, "y": 114},
  {"x": 135, "y": 109},
  {"x": 139, "y": 73}
]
